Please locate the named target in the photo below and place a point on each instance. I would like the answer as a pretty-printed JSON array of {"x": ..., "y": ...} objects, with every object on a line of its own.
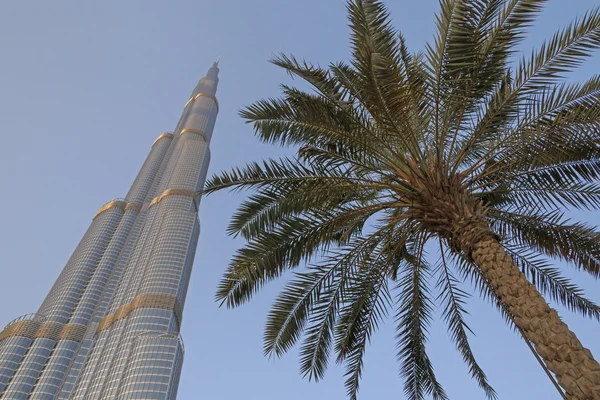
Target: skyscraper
[{"x": 109, "y": 328}]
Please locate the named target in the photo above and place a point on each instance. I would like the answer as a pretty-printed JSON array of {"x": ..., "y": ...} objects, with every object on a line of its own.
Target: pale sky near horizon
[{"x": 86, "y": 87}]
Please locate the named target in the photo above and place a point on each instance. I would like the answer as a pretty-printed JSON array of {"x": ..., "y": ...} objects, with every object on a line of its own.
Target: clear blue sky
[{"x": 86, "y": 87}]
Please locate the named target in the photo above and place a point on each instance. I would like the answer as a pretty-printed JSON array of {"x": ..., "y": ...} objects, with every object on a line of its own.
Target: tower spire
[
  {"x": 213, "y": 72},
  {"x": 208, "y": 84}
]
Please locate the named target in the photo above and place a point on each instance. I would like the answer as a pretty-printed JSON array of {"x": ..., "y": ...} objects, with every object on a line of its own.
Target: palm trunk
[{"x": 574, "y": 365}]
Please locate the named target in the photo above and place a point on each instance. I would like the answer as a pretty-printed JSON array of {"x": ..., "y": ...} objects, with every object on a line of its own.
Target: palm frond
[
  {"x": 288, "y": 315},
  {"x": 377, "y": 77},
  {"x": 325, "y": 311},
  {"x": 550, "y": 282},
  {"x": 413, "y": 318},
  {"x": 553, "y": 235},
  {"x": 565, "y": 51},
  {"x": 558, "y": 125},
  {"x": 453, "y": 301},
  {"x": 359, "y": 318}
]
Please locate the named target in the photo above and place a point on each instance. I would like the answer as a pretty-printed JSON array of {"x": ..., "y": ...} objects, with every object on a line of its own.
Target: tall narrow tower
[{"x": 109, "y": 328}]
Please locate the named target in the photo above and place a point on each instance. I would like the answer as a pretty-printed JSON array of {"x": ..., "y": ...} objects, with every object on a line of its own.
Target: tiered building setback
[{"x": 109, "y": 328}]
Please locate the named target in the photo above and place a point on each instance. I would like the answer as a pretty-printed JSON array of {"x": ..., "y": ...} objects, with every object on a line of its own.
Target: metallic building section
[
  {"x": 109, "y": 327},
  {"x": 144, "y": 300},
  {"x": 120, "y": 204},
  {"x": 168, "y": 135},
  {"x": 151, "y": 370},
  {"x": 72, "y": 281},
  {"x": 199, "y": 133},
  {"x": 174, "y": 192},
  {"x": 50, "y": 330},
  {"x": 210, "y": 96},
  {"x": 73, "y": 332},
  {"x": 111, "y": 204},
  {"x": 25, "y": 328},
  {"x": 138, "y": 192}
]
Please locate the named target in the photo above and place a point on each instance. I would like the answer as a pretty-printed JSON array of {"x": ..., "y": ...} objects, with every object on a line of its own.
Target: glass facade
[{"x": 109, "y": 327}]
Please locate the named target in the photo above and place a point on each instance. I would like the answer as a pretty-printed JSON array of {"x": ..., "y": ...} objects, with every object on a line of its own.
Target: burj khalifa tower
[{"x": 109, "y": 328}]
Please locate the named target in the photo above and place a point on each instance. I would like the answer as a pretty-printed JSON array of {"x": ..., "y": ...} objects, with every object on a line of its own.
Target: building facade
[{"x": 109, "y": 328}]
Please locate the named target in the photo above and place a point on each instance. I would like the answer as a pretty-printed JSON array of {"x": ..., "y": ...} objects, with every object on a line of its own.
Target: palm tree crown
[{"x": 459, "y": 147}]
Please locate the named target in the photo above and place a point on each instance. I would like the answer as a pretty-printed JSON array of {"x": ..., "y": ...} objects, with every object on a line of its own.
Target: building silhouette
[{"x": 109, "y": 328}]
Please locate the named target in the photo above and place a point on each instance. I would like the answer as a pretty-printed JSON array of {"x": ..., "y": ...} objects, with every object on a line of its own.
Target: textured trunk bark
[{"x": 574, "y": 365}]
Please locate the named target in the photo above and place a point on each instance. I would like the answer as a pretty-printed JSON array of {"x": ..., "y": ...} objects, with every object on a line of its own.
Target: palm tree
[{"x": 458, "y": 152}]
